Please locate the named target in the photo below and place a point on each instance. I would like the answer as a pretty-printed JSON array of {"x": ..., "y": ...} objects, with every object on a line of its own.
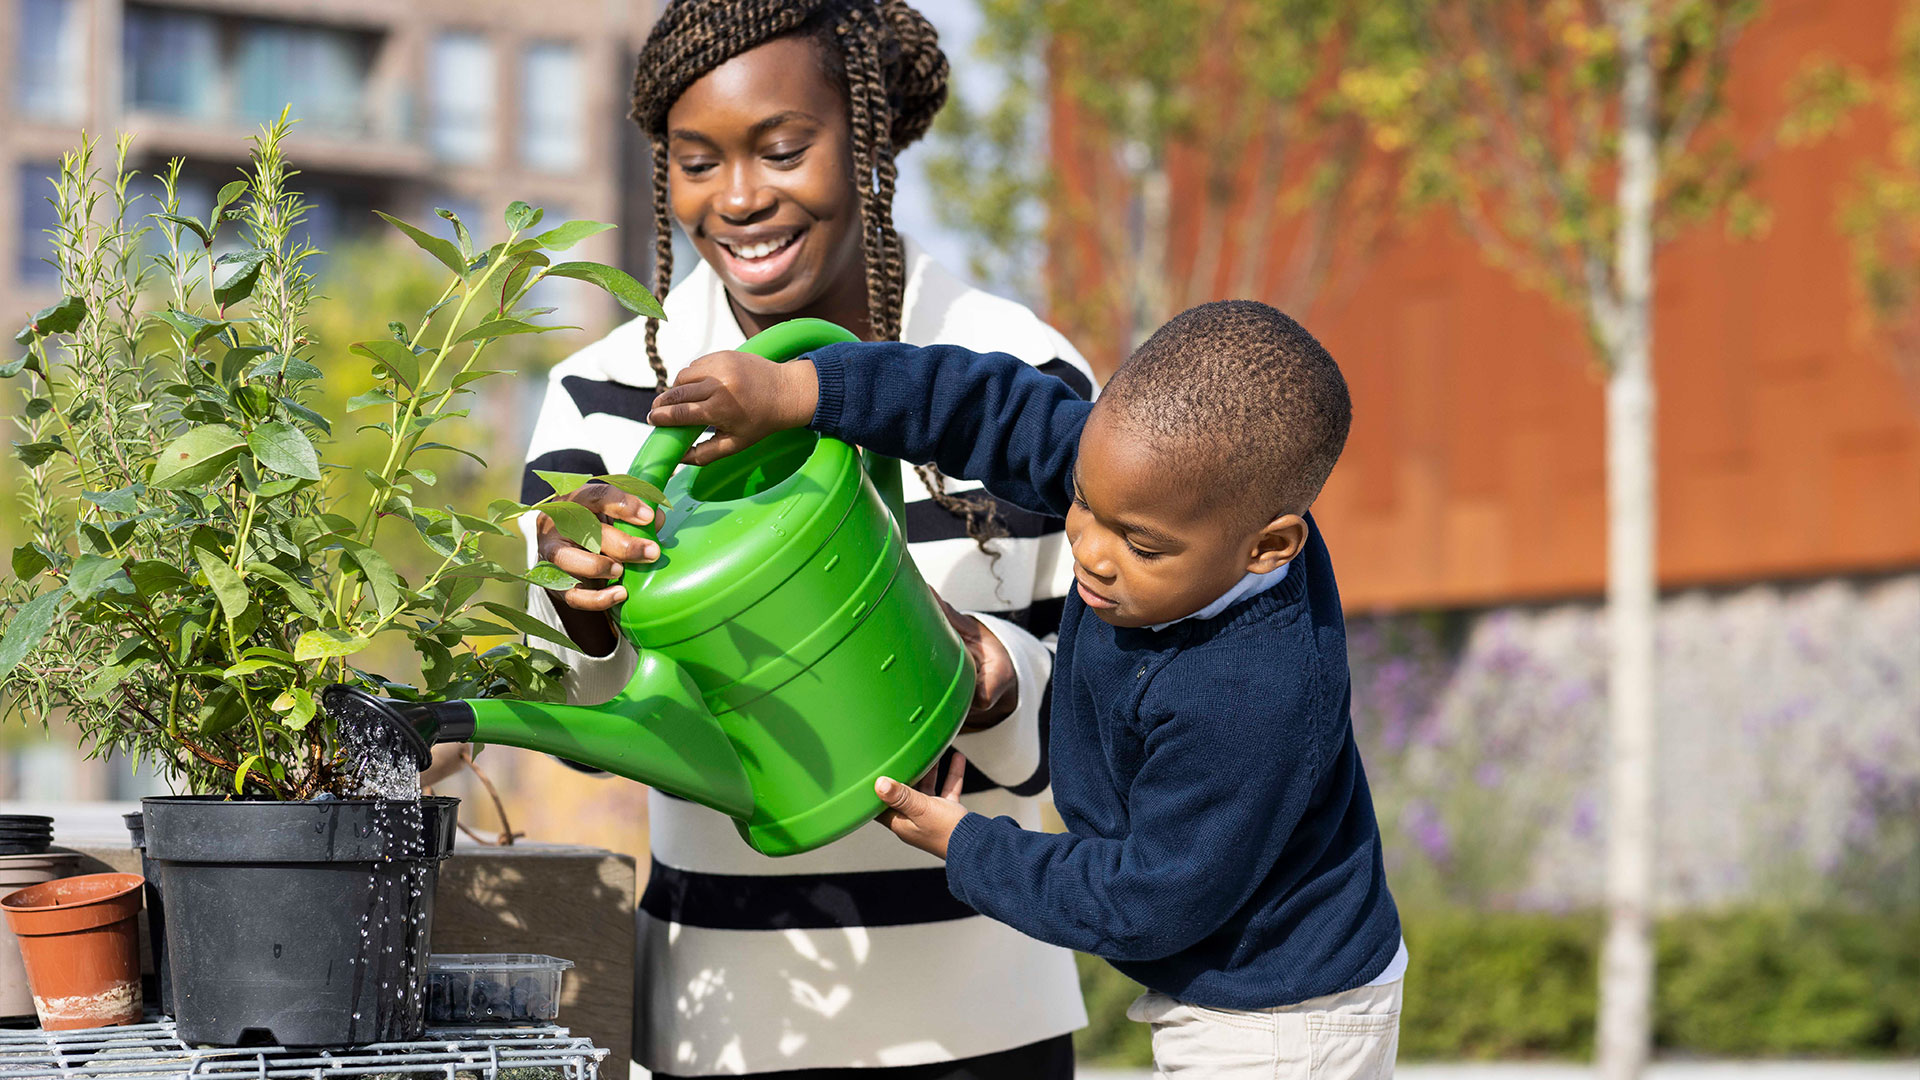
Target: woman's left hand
[
  {"x": 996, "y": 687},
  {"x": 919, "y": 815}
]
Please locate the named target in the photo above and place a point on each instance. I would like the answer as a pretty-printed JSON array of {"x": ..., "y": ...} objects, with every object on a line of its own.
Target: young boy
[{"x": 1222, "y": 846}]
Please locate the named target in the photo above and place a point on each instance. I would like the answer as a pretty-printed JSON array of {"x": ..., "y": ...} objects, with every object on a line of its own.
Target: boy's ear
[{"x": 1279, "y": 541}]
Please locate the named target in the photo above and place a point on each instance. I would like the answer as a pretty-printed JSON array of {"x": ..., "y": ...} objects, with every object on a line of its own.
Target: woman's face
[{"x": 761, "y": 178}]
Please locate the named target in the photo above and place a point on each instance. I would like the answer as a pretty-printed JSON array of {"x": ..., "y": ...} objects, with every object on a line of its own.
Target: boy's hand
[
  {"x": 743, "y": 397},
  {"x": 996, "y": 689},
  {"x": 919, "y": 817}
]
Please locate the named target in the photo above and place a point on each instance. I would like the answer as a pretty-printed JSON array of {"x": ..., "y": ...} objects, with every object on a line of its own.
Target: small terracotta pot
[{"x": 81, "y": 942}]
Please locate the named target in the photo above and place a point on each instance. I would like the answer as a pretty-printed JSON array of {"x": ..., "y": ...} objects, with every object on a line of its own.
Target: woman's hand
[
  {"x": 917, "y": 814},
  {"x": 743, "y": 397},
  {"x": 996, "y": 687},
  {"x": 583, "y": 608}
]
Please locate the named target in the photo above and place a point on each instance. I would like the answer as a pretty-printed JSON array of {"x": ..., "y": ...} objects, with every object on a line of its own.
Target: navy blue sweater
[{"x": 1223, "y": 848}]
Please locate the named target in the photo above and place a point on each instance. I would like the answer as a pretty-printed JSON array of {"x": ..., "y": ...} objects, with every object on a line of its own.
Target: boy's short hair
[{"x": 1245, "y": 393}]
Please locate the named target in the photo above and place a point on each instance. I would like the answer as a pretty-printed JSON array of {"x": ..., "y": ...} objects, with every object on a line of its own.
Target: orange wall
[{"x": 1788, "y": 443}]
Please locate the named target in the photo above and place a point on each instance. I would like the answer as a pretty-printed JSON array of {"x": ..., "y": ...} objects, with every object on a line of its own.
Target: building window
[
  {"x": 35, "y": 215},
  {"x": 320, "y": 72},
  {"x": 552, "y": 109},
  {"x": 461, "y": 98},
  {"x": 172, "y": 62},
  {"x": 50, "y": 60}
]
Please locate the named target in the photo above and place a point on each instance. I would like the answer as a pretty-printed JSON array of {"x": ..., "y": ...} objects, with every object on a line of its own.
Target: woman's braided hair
[{"x": 885, "y": 59}]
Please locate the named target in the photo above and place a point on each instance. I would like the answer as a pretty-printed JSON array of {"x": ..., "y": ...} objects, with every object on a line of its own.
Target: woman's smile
[{"x": 762, "y": 258}]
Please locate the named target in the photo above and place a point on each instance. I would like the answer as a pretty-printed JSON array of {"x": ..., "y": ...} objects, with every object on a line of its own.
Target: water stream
[{"x": 385, "y": 774}]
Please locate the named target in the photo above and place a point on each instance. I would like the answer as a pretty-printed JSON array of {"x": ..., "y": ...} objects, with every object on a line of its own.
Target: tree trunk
[{"x": 1626, "y": 975}]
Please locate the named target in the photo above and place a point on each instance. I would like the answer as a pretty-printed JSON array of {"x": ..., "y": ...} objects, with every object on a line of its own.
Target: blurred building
[{"x": 402, "y": 106}]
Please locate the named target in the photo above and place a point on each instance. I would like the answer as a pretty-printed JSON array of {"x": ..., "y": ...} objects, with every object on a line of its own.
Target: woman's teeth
[{"x": 760, "y": 250}]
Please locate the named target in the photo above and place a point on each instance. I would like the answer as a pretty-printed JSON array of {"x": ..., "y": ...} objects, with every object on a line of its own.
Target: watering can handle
[{"x": 662, "y": 451}]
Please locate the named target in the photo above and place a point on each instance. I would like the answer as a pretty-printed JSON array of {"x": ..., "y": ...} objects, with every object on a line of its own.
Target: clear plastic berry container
[{"x": 493, "y": 988}]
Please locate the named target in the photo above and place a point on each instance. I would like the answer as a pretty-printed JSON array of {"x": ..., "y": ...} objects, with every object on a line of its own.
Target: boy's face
[{"x": 1152, "y": 540}]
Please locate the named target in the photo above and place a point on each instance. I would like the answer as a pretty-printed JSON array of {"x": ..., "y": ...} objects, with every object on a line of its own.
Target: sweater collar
[{"x": 1250, "y": 584}]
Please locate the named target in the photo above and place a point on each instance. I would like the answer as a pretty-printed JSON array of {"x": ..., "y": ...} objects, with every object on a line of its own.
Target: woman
[{"x": 774, "y": 127}]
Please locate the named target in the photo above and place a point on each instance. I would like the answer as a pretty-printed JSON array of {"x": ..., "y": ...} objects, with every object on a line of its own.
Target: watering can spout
[{"x": 657, "y": 731}]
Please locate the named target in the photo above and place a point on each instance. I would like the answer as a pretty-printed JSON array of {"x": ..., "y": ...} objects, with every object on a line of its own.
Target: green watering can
[{"x": 790, "y": 653}]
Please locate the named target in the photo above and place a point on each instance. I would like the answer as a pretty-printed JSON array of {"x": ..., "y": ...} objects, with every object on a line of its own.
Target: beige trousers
[{"x": 1352, "y": 1035}]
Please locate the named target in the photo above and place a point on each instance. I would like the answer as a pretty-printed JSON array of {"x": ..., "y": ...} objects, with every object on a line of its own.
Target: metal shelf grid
[{"x": 151, "y": 1052}]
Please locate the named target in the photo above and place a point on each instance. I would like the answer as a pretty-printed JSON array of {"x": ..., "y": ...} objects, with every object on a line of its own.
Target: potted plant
[{"x": 200, "y": 562}]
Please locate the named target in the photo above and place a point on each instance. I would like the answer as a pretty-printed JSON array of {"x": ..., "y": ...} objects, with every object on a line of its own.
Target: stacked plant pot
[{"x": 18, "y": 871}]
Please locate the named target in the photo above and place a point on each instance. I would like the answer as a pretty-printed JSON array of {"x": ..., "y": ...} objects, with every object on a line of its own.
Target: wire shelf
[{"x": 152, "y": 1052}]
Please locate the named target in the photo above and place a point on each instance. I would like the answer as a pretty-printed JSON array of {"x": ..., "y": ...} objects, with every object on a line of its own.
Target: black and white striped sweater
[{"x": 855, "y": 954}]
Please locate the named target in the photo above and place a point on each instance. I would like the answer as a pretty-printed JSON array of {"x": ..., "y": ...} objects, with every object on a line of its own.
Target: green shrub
[{"x": 1746, "y": 983}]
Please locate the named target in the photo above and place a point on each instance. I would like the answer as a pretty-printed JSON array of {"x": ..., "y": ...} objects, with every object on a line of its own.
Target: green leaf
[
  {"x": 106, "y": 681},
  {"x": 225, "y": 582},
  {"x": 28, "y": 561},
  {"x": 235, "y": 361},
  {"x": 304, "y": 413},
  {"x": 61, "y": 318},
  {"x": 527, "y": 624},
  {"x": 240, "y": 774},
  {"x": 562, "y": 237},
  {"x": 153, "y": 577},
  {"x": 459, "y": 231},
  {"x": 376, "y": 396},
  {"x": 35, "y": 454},
  {"x": 458, "y": 450},
  {"x": 296, "y": 705},
  {"x": 548, "y": 576},
  {"x": 633, "y": 485},
  {"x": 380, "y": 575},
  {"x": 326, "y": 644},
  {"x": 227, "y": 195},
  {"x": 273, "y": 489},
  {"x": 494, "y": 328},
  {"x": 575, "y": 522},
  {"x": 563, "y": 483},
  {"x": 192, "y": 328},
  {"x": 433, "y": 245},
  {"x": 399, "y": 360},
  {"x": 468, "y": 377},
  {"x": 90, "y": 575},
  {"x": 14, "y": 367},
  {"x": 239, "y": 285},
  {"x": 198, "y": 457},
  {"x": 632, "y": 295},
  {"x": 285, "y": 449},
  {"x": 285, "y": 367},
  {"x": 117, "y": 501},
  {"x": 249, "y": 667},
  {"x": 521, "y": 217},
  {"x": 304, "y": 599},
  {"x": 223, "y": 709},
  {"x": 199, "y": 230},
  {"x": 29, "y": 627}
]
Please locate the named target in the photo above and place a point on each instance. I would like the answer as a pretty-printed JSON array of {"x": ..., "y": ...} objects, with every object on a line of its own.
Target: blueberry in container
[{"x": 493, "y": 988}]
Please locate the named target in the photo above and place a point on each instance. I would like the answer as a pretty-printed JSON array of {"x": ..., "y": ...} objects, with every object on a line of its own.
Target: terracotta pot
[
  {"x": 17, "y": 871},
  {"x": 81, "y": 942}
]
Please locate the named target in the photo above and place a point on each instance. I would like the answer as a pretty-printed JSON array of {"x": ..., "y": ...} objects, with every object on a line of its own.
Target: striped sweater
[{"x": 855, "y": 955}]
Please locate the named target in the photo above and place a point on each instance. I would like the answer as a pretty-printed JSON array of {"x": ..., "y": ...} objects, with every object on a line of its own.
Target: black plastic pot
[
  {"x": 161, "y": 992},
  {"x": 300, "y": 923}
]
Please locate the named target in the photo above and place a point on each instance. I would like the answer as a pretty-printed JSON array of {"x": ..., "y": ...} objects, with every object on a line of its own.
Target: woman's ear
[{"x": 1278, "y": 542}]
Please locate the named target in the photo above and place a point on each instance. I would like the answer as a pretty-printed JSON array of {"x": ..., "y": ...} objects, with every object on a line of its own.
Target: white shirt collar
[{"x": 1249, "y": 585}]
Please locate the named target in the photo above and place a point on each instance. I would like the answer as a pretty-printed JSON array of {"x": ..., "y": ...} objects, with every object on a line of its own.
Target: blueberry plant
[{"x": 195, "y": 569}]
